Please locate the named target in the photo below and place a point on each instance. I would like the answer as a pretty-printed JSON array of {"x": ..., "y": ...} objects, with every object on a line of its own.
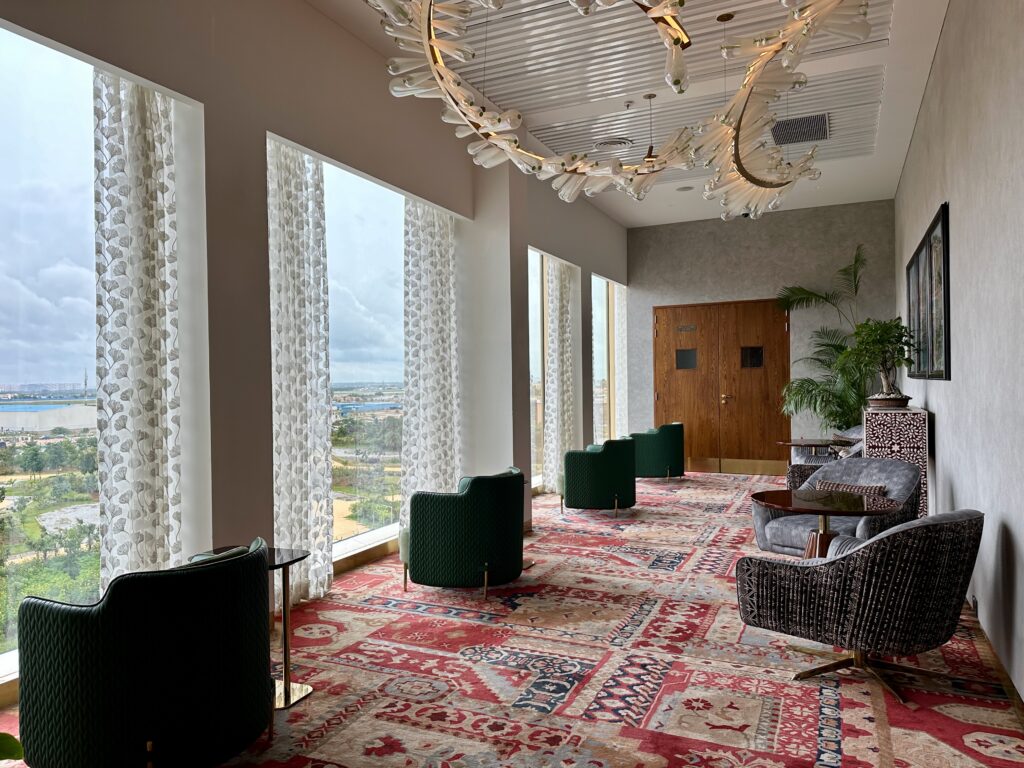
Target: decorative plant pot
[{"x": 881, "y": 401}]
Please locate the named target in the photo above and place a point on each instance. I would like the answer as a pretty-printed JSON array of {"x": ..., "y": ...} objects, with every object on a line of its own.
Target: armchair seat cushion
[{"x": 790, "y": 532}]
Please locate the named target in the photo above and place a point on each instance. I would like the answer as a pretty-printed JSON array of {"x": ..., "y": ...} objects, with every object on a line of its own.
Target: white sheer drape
[
  {"x": 303, "y": 506},
  {"x": 431, "y": 434},
  {"x": 137, "y": 366},
  {"x": 559, "y": 370},
  {"x": 621, "y": 362}
]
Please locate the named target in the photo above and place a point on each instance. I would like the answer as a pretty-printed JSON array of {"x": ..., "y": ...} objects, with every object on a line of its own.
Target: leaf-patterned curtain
[
  {"x": 431, "y": 434},
  {"x": 137, "y": 367},
  {"x": 559, "y": 371},
  {"x": 301, "y": 377}
]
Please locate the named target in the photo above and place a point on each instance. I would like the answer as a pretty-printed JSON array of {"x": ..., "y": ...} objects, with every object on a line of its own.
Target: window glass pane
[
  {"x": 536, "y": 299},
  {"x": 686, "y": 359},
  {"x": 602, "y": 384},
  {"x": 751, "y": 357},
  {"x": 365, "y": 255},
  {"x": 49, "y": 515}
]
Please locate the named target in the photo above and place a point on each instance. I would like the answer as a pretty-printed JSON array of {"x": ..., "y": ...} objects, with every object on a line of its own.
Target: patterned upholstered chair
[
  {"x": 168, "y": 668},
  {"x": 804, "y": 462},
  {"x": 601, "y": 477},
  {"x": 787, "y": 534},
  {"x": 898, "y": 594},
  {"x": 659, "y": 452},
  {"x": 471, "y": 538}
]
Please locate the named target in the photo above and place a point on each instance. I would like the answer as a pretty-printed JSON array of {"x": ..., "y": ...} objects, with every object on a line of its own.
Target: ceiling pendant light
[
  {"x": 650, "y": 158},
  {"x": 749, "y": 175}
]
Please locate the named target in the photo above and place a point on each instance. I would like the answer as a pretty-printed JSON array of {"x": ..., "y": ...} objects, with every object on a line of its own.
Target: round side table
[{"x": 286, "y": 693}]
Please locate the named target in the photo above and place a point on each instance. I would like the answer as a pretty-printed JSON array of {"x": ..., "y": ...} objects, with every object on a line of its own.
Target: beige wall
[
  {"x": 258, "y": 66},
  {"x": 714, "y": 260},
  {"x": 966, "y": 150}
]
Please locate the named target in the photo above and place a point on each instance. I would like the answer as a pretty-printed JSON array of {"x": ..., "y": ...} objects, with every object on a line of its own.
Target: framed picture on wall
[{"x": 928, "y": 300}]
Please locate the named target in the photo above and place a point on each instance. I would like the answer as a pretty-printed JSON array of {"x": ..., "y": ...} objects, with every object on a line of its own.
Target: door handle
[{"x": 726, "y": 398}]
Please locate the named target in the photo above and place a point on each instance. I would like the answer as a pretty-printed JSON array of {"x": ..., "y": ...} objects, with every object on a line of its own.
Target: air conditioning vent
[
  {"x": 798, "y": 130},
  {"x": 613, "y": 143}
]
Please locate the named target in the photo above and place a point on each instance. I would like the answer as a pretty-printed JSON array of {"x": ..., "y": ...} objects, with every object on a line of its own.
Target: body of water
[
  {"x": 347, "y": 408},
  {"x": 30, "y": 407}
]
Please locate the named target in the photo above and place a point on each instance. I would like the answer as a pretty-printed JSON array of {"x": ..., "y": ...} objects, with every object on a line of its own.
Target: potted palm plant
[
  {"x": 883, "y": 346},
  {"x": 835, "y": 394}
]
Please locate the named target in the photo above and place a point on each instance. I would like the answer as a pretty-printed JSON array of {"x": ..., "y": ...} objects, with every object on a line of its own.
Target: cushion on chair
[
  {"x": 206, "y": 558},
  {"x": 791, "y": 531},
  {"x": 863, "y": 490}
]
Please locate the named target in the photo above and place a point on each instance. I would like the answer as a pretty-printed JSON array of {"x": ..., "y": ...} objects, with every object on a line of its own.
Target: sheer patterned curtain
[
  {"x": 301, "y": 380},
  {"x": 138, "y": 409},
  {"x": 431, "y": 434},
  {"x": 559, "y": 371},
  {"x": 621, "y": 363}
]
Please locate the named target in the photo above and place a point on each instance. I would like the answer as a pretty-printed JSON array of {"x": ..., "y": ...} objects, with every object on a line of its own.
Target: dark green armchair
[
  {"x": 170, "y": 668},
  {"x": 471, "y": 538},
  {"x": 602, "y": 476},
  {"x": 659, "y": 452}
]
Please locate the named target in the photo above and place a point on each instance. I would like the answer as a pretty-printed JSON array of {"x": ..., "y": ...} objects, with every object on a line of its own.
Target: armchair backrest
[
  {"x": 163, "y": 653},
  {"x": 913, "y": 581},
  {"x": 900, "y": 478}
]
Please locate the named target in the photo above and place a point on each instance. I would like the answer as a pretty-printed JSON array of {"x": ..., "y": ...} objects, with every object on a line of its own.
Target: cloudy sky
[
  {"x": 47, "y": 304},
  {"x": 47, "y": 283},
  {"x": 365, "y": 231}
]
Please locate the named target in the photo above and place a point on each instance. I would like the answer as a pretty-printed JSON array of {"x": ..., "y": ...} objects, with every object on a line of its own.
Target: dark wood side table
[
  {"x": 286, "y": 693},
  {"x": 824, "y": 504},
  {"x": 817, "y": 444}
]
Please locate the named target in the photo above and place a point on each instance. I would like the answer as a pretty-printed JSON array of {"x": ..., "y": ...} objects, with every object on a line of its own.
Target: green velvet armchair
[
  {"x": 471, "y": 538},
  {"x": 659, "y": 452},
  {"x": 169, "y": 668},
  {"x": 601, "y": 477}
]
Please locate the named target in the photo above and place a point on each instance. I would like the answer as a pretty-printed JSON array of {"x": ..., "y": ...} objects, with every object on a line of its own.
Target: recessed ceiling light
[
  {"x": 613, "y": 142},
  {"x": 684, "y": 189}
]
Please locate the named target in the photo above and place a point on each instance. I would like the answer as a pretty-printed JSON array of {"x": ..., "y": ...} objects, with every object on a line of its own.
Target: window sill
[{"x": 364, "y": 541}]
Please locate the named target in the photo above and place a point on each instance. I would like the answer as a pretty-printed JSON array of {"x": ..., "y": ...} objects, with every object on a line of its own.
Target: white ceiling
[{"x": 571, "y": 76}]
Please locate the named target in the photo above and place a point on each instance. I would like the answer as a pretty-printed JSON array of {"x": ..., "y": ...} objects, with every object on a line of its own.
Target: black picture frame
[{"x": 928, "y": 301}]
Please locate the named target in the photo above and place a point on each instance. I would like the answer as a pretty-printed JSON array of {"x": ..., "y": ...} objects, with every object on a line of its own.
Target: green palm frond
[
  {"x": 797, "y": 297},
  {"x": 849, "y": 276}
]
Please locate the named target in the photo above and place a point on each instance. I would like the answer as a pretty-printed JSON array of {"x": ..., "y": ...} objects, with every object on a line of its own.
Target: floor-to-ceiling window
[
  {"x": 49, "y": 510},
  {"x": 603, "y": 374},
  {"x": 365, "y": 226},
  {"x": 536, "y": 291},
  {"x": 554, "y": 304},
  {"x": 609, "y": 347}
]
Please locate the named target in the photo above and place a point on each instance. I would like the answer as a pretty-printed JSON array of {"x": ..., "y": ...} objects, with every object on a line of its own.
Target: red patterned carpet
[{"x": 621, "y": 647}]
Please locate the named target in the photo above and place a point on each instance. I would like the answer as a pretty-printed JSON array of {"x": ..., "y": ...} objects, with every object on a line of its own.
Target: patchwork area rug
[{"x": 622, "y": 646}]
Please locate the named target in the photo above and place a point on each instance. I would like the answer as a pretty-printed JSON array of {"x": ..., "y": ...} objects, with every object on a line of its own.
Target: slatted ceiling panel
[
  {"x": 535, "y": 55},
  {"x": 851, "y": 99}
]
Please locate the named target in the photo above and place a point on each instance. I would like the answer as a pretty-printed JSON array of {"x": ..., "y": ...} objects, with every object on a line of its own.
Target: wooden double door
[{"x": 720, "y": 370}]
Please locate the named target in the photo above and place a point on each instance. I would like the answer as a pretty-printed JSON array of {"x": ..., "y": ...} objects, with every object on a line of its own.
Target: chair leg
[
  {"x": 872, "y": 672},
  {"x": 668, "y": 473},
  {"x": 832, "y": 666},
  {"x": 486, "y": 578},
  {"x": 892, "y": 666},
  {"x": 405, "y": 577},
  {"x": 616, "y": 512},
  {"x": 561, "y": 503}
]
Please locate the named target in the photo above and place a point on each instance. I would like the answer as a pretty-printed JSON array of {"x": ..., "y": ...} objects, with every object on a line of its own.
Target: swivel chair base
[{"x": 874, "y": 668}]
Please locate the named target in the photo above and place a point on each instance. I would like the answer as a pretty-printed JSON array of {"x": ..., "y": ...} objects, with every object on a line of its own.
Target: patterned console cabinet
[{"x": 899, "y": 434}]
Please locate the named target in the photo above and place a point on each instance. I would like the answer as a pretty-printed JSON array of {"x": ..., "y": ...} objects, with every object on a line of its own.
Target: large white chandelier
[{"x": 749, "y": 175}]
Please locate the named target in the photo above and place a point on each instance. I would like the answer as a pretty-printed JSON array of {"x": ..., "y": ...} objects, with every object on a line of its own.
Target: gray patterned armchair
[
  {"x": 787, "y": 534},
  {"x": 804, "y": 462},
  {"x": 898, "y": 594}
]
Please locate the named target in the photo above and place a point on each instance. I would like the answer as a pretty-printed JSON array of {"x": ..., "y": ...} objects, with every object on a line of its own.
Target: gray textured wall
[
  {"x": 704, "y": 261},
  {"x": 966, "y": 150}
]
